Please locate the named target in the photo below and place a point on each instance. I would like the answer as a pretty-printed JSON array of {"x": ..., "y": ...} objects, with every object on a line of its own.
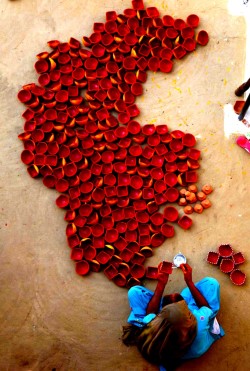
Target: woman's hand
[
  {"x": 154, "y": 304},
  {"x": 200, "y": 300},
  {"x": 162, "y": 277},
  {"x": 187, "y": 272}
]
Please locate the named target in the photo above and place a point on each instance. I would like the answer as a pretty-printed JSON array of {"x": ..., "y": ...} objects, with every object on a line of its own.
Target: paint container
[{"x": 179, "y": 259}]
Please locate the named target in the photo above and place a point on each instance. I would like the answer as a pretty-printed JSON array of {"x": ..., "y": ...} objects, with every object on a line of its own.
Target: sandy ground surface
[{"x": 53, "y": 319}]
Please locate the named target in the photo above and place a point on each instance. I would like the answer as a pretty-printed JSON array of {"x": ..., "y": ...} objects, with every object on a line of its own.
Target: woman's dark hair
[{"x": 173, "y": 298}]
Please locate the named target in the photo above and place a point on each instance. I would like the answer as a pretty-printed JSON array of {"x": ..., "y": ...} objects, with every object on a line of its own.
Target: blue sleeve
[{"x": 210, "y": 288}]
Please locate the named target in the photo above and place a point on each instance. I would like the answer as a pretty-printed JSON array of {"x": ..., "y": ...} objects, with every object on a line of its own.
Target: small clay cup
[
  {"x": 225, "y": 250},
  {"x": 226, "y": 265},
  {"x": 152, "y": 273},
  {"x": 166, "y": 267},
  {"x": 213, "y": 257},
  {"x": 238, "y": 258},
  {"x": 237, "y": 277}
]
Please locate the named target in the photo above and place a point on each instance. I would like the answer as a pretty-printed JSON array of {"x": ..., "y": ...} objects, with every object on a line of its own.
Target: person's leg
[
  {"x": 139, "y": 297},
  {"x": 210, "y": 289}
]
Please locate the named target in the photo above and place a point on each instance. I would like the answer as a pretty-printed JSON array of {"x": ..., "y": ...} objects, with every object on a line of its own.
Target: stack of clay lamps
[
  {"x": 228, "y": 261},
  {"x": 194, "y": 200},
  {"x": 81, "y": 137}
]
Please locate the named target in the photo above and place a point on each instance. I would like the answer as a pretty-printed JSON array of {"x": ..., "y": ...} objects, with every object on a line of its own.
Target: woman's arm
[
  {"x": 198, "y": 297},
  {"x": 154, "y": 304}
]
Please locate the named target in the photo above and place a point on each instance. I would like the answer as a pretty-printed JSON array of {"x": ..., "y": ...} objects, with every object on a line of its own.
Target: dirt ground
[{"x": 53, "y": 319}]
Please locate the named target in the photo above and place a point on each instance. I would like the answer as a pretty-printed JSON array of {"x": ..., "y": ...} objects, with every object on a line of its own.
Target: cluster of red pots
[
  {"x": 81, "y": 137},
  {"x": 228, "y": 261}
]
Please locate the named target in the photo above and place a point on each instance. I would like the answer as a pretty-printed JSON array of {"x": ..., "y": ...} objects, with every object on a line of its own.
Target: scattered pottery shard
[{"x": 80, "y": 136}]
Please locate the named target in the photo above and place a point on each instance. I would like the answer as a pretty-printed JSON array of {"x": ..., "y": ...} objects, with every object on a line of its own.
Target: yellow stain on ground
[
  {"x": 189, "y": 91},
  {"x": 225, "y": 82},
  {"x": 209, "y": 102},
  {"x": 228, "y": 69},
  {"x": 174, "y": 81},
  {"x": 163, "y": 5},
  {"x": 158, "y": 86},
  {"x": 244, "y": 173},
  {"x": 179, "y": 73},
  {"x": 178, "y": 89},
  {"x": 169, "y": 93},
  {"x": 152, "y": 121}
]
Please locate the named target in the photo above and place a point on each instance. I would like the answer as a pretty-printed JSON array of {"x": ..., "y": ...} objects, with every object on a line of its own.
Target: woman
[{"x": 168, "y": 329}]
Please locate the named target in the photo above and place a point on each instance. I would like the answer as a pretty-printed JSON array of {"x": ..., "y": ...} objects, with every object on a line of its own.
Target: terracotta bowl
[
  {"x": 238, "y": 258},
  {"x": 82, "y": 267},
  {"x": 157, "y": 239},
  {"x": 132, "y": 282},
  {"x": 226, "y": 265},
  {"x": 185, "y": 222},
  {"x": 202, "y": 38},
  {"x": 102, "y": 257},
  {"x": 167, "y": 230},
  {"x": 89, "y": 253},
  {"x": 237, "y": 277},
  {"x": 225, "y": 250},
  {"x": 152, "y": 273},
  {"x": 166, "y": 267},
  {"x": 138, "y": 258},
  {"x": 110, "y": 271},
  {"x": 137, "y": 271},
  {"x": 76, "y": 254},
  {"x": 126, "y": 255},
  {"x": 146, "y": 251},
  {"x": 171, "y": 213},
  {"x": 120, "y": 280},
  {"x": 172, "y": 194},
  {"x": 94, "y": 265},
  {"x": 124, "y": 269},
  {"x": 213, "y": 257}
]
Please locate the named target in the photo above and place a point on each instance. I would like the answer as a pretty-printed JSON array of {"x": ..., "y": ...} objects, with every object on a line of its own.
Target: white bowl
[{"x": 179, "y": 259}]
